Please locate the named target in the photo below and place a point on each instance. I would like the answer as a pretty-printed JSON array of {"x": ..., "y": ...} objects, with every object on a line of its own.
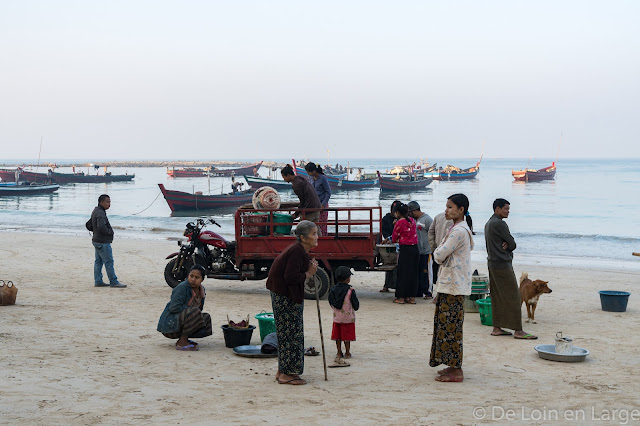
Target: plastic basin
[
  {"x": 614, "y": 301},
  {"x": 237, "y": 336}
]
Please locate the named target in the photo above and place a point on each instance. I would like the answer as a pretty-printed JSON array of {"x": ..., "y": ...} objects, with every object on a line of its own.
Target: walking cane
[{"x": 324, "y": 359}]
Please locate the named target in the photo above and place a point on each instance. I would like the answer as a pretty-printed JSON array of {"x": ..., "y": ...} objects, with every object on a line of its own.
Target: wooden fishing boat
[
  {"x": 186, "y": 172},
  {"x": 400, "y": 185},
  {"x": 213, "y": 171},
  {"x": 23, "y": 188},
  {"x": 62, "y": 178},
  {"x": 340, "y": 183},
  {"x": 258, "y": 182},
  {"x": 533, "y": 175},
  {"x": 179, "y": 201},
  {"x": 455, "y": 173},
  {"x": 248, "y": 170}
]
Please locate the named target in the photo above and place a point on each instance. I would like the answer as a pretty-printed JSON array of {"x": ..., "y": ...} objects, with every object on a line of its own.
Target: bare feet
[
  {"x": 454, "y": 375},
  {"x": 445, "y": 371},
  {"x": 497, "y": 331}
]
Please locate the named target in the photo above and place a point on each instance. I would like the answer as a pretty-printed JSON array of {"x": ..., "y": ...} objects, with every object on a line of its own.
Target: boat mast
[{"x": 38, "y": 165}]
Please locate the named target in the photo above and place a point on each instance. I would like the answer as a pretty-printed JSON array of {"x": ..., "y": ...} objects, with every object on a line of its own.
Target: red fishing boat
[
  {"x": 179, "y": 201},
  {"x": 408, "y": 184},
  {"x": 533, "y": 175},
  {"x": 186, "y": 172},
  {"x": 62, "y": 178}
]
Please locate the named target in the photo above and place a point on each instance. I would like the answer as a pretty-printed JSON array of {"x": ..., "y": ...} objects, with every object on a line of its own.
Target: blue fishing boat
[
  {"x": 258, "y": 182},
  {"x": 24, "y": 188}
]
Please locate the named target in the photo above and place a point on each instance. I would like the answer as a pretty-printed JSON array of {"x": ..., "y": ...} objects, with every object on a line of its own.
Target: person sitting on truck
[
  {"x": 289, "y": 272},
  {"x": 305, "y": 192},
  {"x": 183, "y": 318}
]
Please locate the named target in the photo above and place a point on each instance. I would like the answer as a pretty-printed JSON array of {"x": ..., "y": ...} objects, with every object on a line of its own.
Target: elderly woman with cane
[{"x": 286, "y": 281}]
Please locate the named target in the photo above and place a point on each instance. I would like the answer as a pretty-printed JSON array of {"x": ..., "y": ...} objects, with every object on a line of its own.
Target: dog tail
[{"x": 524, "y": 276}]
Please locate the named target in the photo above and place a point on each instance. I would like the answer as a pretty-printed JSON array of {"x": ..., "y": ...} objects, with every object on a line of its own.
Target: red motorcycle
[{"x": 205, "y": 248}]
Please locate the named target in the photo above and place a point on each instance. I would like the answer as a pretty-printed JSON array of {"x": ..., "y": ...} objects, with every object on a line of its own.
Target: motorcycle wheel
[
  {"x": 174, "y": 279},
  {"x": 323, "y": 280}
]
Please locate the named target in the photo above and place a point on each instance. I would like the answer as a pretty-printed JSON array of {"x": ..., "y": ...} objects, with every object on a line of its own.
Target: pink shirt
[
  {"x": 346, "y": 315},
  {"x": 404, "y": 232}
]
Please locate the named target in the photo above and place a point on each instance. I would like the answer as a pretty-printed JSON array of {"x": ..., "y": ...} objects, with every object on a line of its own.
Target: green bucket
[
  {"x": 282, "y": 218},
  {"x": 484, "y": 306},
  {"x": 266, "y": 324}
]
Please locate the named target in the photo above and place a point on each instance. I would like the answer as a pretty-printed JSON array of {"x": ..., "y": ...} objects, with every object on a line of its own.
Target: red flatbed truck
[{"x": 351, "y": 240}]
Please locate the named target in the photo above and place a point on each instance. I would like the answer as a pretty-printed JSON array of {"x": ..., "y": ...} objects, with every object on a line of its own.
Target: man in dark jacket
[
  {"x": 505, "y": 294},
  {"x": 102, "y": 239},
  {"x": 386, "y": 229}
]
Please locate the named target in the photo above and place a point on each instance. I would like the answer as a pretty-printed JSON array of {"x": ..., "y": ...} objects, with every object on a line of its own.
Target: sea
[{"x": 587, "y": 217}]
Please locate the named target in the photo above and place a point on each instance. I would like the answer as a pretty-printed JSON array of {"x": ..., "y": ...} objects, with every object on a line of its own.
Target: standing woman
[
  {"x": 321, "y": 184},
  {"x": 286, "y": 281},
  {"x": 405, "y": 234},
  {"x": 454, "y": 283}
]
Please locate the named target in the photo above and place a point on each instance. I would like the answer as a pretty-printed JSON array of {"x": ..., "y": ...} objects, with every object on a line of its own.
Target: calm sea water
[{"x": 589, "y": 212}]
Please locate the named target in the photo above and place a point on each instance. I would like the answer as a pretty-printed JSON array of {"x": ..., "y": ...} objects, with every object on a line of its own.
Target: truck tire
[
  {"x": 174, "y": 279},
  {"x": 322, "y": 278}
]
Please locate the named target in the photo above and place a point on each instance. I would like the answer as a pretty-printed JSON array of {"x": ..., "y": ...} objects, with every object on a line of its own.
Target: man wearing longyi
[{"x": 505, "y": 294}]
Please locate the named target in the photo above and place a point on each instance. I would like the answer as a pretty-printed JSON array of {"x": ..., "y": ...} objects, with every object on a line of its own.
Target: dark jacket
[
  {"x": 288, "y": 273},
  {"x": 305, "y": 192},
  {"x": 102, "y": 231},
  {"x": 180, "y": 296},
  {"x": 496, "y": 232},
  {"x": 339, "y": 292},
  {"x": 387, "y": 225}
]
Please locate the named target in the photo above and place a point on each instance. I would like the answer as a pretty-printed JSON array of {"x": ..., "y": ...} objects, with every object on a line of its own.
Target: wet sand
[{"x": 76, "y": 354}]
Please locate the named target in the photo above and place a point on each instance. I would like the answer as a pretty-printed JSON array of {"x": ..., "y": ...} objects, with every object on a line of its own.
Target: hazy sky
[{"x": 264, "y": 79}]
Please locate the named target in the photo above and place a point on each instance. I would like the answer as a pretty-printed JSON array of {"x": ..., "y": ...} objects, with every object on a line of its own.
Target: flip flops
[
  {"x": 189, "y": 347},
  {"x": 503, "y": 333},
  {"x": 311, "y": 351},
  {"x": 526, "y": 337},
  {"x": 339, "y": 362},
  {"x": 295, "y": 382}
]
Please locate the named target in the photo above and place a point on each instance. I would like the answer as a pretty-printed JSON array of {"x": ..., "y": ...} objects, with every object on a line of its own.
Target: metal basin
[{"x": 549, "y": 352}]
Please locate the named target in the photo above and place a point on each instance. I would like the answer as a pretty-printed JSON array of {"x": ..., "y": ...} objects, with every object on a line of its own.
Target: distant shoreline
[{"x": 180, "y": 163}]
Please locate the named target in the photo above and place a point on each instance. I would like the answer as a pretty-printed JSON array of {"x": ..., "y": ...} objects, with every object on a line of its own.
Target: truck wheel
[
  {"x": 322, "y": 278},
  {"x": 174, "y": 279}
]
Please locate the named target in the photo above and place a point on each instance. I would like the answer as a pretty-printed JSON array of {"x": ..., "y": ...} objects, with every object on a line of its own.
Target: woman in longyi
[
  {"x": 183, "y": 318},
  {"x": 454, "y": 283}
]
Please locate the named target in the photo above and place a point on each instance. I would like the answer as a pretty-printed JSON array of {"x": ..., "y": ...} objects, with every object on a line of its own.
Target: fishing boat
[
  {"x": 455, "y": 173},
  {"x": 186, "y": 172},
  {"x": 24, "y": 188},
  {"x": 180, "y": 201},
  {"x": 533, "y": 175},
  {"x": 400, "y": 185},
  {"x": 8, "y": 175},
  {"x": 302, "y": 172},
  {"x": 213, "y": 171},
  {"x": 258, "y": 182},
  {"x": 340, "y": 183}
]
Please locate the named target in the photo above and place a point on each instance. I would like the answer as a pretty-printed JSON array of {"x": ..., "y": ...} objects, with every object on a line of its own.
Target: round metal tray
[
  {"x": 252, "y": 351},
  {"x": 549, "y": 352}
]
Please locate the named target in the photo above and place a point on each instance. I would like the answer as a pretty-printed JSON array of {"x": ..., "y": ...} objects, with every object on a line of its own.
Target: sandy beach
[{"x": 76, "y": 354}]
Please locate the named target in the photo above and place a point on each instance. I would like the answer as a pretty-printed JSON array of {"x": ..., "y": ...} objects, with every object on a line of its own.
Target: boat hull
[
  {"x": 396, "y": 185},
  {"x": 548, "y": 173},
  {"x": 62, "y": 178},
  {"x": 20, "y": 190},
  {"x": 182, "y": 201},
  {"x": 259, "y": 182}
]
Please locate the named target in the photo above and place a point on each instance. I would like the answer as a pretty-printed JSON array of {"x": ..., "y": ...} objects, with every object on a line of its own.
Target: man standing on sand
[
  {"x": 423, "y": 222},
  {"x": 505, "y": 294},
  {"x": 102, "y": 239}
]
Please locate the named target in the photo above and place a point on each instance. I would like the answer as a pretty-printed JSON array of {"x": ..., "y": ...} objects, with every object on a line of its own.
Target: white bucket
[{"x": 564, "y": 345}]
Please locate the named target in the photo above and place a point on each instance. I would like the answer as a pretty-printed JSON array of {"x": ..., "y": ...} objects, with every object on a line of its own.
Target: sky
[{"x": 133, "y": 79}]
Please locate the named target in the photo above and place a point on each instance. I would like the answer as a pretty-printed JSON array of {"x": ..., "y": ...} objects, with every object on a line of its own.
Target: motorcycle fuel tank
[{"x": 211, "y": 238}]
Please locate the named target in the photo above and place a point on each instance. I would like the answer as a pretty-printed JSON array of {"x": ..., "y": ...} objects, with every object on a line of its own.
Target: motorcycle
[{"x": 203, "y": 247}]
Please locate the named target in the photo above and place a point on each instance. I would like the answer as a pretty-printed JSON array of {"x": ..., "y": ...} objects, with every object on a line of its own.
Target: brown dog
[{"x": 530, "y": 292}]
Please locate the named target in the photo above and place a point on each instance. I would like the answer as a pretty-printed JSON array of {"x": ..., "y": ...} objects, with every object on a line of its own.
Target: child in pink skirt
[{"x": 344, "y": 302}]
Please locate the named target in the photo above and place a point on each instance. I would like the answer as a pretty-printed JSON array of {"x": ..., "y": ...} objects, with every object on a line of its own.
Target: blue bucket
[{"x": 614, "y": 301}]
